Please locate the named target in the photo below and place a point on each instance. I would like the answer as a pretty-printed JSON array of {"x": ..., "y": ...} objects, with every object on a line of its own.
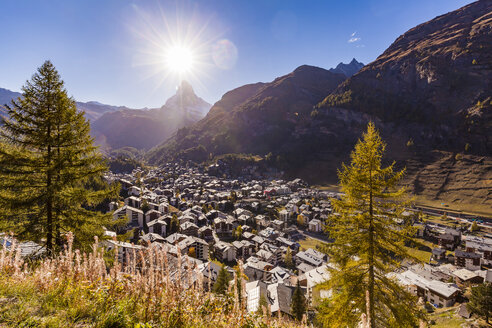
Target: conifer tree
[
  {"x": 174, "y": 224},
  {"x": 298, "y": 303},
  {"x": 370, "y": 235},
  {"x": 289, "y": 263},
  {"x": 481, "y": 300},
  {"x": 49, "y": 166},
  {"x": 222, "y": 283}
]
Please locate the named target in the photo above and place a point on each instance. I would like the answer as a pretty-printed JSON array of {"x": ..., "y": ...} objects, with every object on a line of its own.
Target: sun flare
[{"x": 179, "y": 59}]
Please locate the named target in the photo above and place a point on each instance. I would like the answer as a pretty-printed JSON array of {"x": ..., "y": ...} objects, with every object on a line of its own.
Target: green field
[
  {"x": 446, "y": 318},
  {"x": 309, "y": 243}
]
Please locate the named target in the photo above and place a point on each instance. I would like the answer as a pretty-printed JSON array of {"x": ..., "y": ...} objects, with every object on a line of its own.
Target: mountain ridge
[{"x": 428, "y": 94}]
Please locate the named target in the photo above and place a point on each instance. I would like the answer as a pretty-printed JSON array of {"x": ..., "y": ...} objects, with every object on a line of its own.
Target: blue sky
[{"x": 111, "y": 50}]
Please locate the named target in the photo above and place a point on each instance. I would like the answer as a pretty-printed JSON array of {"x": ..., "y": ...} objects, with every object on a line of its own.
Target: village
[{"x": 274, "y": 229}]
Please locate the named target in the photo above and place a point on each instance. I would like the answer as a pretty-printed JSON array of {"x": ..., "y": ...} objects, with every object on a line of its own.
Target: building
[{"x": 468, "y": 260}]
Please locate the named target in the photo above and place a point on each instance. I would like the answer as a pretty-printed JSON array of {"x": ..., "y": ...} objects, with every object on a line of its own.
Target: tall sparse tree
[
  {"x": 222, "y": 283},
  {"x": 370, "y": 235},
  {"x": 174, "y": 226},
  {"x": 49, "y": 165},
  {"x": 298, "y": 303},
  {"x": 481, "y": 300},
  {"x": 289, "y": 263}
]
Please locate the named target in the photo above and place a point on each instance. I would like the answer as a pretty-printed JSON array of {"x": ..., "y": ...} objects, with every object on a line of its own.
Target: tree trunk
[
  {"x": 49, "y": 202},
  {"x": 370, "y": 285}
]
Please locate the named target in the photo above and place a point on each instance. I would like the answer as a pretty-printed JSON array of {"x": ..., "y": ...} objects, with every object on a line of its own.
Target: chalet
[
  {"x": 467, "y": 277},
  {"x": 313, "y": 277},
  {"x": 446, "y": 241},
  {"x": 315, "y": 225},
  {"x": 224, "y": 251},
  {"x": 158, "y": 226},
  {"x": 151, "y": 215},
  {"x": 280, "y": 298},
  {"x": 284, "y": 215},
  {"x": 133, "y": 214},
  {"x": 278, "y": 224},
  {"x": 134, "y": 191},
  {"x": 485, "y": 250},
  {"x": 244, "y": 248},
  {"x": 189, "y": 228},
  {"x": 223, "y": 227},
  {"x": 438, "y": 254},
  {"x": 126, "y": 251},
  {"x": 206, "y": 233},
  {"x": 151, "y": 238},
  {"x": 133, "y": 201},
  {"x": 468, "y": 260},
  {"x": 309, "y": 258},
  {"x": 256, "y": 269},
  {"x": 438, "y": 293},
  {"x": 190, "y": 244}
]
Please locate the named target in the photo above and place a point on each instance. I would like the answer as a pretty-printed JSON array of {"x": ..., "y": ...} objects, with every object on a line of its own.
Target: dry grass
[{"x": 81, "y": 290}]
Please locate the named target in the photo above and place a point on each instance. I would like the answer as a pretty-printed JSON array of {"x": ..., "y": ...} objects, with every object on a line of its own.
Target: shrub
[{"x": 151, "y": 289}]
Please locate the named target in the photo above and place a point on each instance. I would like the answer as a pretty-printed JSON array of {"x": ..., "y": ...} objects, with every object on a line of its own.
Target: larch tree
[
  {"x": 369, "y": 235},
  {"x": 50, "y": 171},
  {"x": 481, "y": 300},
  {"x": 298, "y": 303}
]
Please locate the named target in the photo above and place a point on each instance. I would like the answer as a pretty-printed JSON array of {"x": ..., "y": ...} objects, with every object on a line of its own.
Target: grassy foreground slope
[{"x": 77, "y": 290}]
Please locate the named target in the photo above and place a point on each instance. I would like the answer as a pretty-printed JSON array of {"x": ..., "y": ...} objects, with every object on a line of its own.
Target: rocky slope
[
  {"x": 143, "y": 129},
  {"x": 429, "y": 94}
]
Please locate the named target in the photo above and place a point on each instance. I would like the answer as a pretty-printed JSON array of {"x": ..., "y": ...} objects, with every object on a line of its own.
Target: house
[
  {"x": 280, "y": 298},
  {"x": 223, "y": 227},
  {"x": 126, "y": 251},
  {"x": 224, "y": 251},
  {"x": 446, "y": 241},
  {"x": 284, "y": 215},
  {"x": 468, "y": 260},
  {"x": 467, "y": 277},
  {"x": 134, "y": 191},
  {"x": 244, "y": 248},
  {"x": 310, "y": 258},
  {"x": 278, "y": 224},
  {"x": 195, "y": 245},
  {"x": 266, "y": 256},
  {"x": 206, "y": 233},
  {"x": 151, "y": 215},
  {"x": 133, "y": 214},
  {"x": 315, "y": 225},
  {"x": 158, "y": 226},
  {"x": 255, "y": 290},
  {"x": 438, "y": 293},
  {"x": 133, "y": 201},
  {"x": 313, "y": 277},
  {"x": 152, "y": 238},
  {"x": 482, "y": 248},
  {"x": 256, "y": 269},
  {"x": 438, "y": 254},
  {"x": 189, "y": 228}
]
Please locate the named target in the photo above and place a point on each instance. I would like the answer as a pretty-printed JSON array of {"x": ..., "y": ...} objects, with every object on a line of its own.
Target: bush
[{"x": 151, "y": 290}]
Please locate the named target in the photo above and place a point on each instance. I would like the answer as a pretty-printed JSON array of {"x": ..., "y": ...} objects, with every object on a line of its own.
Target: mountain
[
  {"x": 429, "y": 94},
  {"x": 348, "y": 69},
  {"x": 143, "y": 129},
  {"x": 432, "y": 90},
  {"x": 255, "y": 118},
  {"x": 93, "y": 109}
]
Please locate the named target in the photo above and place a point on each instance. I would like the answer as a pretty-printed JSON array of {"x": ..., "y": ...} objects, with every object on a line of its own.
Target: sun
[{"x": 179, "y": 59}]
